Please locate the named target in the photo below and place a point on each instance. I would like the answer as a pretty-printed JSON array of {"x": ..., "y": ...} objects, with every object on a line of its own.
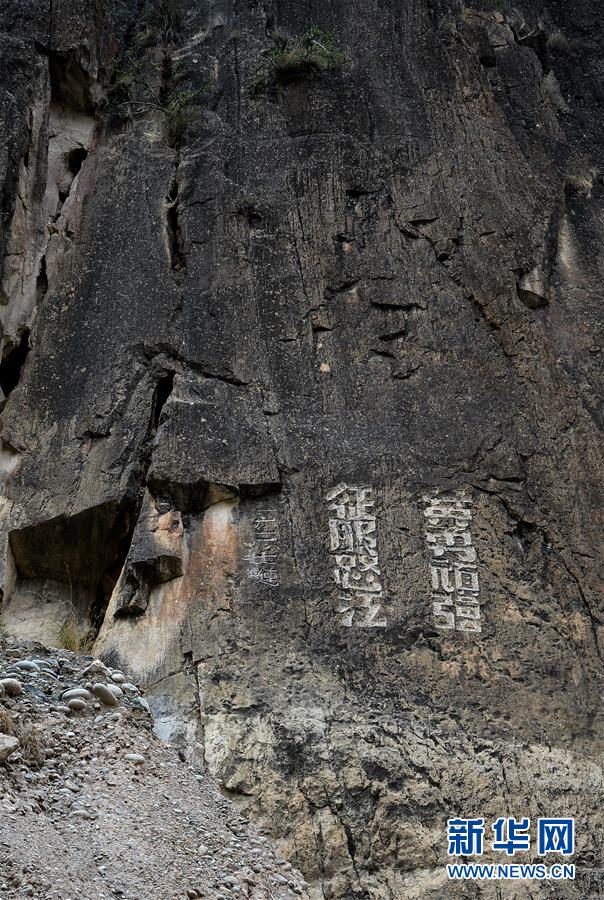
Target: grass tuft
[
  {"x": 314, "y": 51},
  {"x": 69, "y": 636},
  {"x": 584, "y": 179},
  {"x": 7, "y": 724},
  {"x": 31, "y": 739},
  {"x": 559, "y": 43},
  {"x": 162, "y": 25}
]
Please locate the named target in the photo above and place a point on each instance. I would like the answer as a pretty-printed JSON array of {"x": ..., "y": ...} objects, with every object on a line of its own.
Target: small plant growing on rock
[
  {"x": 173, "y": 103},
  {"x": 559, "y": 43},
  {"x": 69, "y": 636},
  {"x": 32, "y": 744},
  {"x": 584, "y": 179},
  {"x": 124, "y": 80},
  {"x": 314, "y": 51},
  {"x": 176, "y": 109},
  {"x": 7, "y": 725},
  {"x": 162, "y": 25}
]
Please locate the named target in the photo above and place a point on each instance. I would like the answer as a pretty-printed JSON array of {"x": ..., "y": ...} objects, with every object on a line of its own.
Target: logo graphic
[
  {"x": 510, "y": 836},
  {"x": 556, "y": 836},
  {"x": 516, "y": 835},
  {"x": 465, "y": 837}
]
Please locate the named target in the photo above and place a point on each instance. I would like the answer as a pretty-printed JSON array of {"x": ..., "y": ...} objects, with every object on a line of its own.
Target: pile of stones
[
  {"x": 65, "y": 684},
  {"x": 94, "y": 806}
]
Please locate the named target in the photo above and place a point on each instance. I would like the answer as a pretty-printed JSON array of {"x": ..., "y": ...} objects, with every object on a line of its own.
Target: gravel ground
[{"x": 93, "y": 806}]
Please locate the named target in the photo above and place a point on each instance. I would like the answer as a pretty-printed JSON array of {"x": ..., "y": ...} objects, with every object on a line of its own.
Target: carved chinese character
[
  {"x": 443, "y": 615},
  {"x": 353, "y": 543},
  {"x": 453, "y": 572},
  {"x": 265, "y": 553},
  {"x": 350, "y": 502}
]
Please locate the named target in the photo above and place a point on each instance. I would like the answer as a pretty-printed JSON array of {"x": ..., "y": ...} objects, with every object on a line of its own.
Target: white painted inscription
[
  {"x": 353, "y": 545},
  {"x": 453, "y": 568},
  {"x": 262, "y": 560}
]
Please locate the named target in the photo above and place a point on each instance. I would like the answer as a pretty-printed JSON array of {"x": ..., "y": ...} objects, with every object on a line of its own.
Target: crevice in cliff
[
  {"x": 384, "y": 354},
  {"x": 139, "y": 575},
  {"x": 172, "y": 224},
  {"x": 13, "y": 362},
  {"x": 526, "y": 533},
  {"x": 350, "y": 842},
  {"x": 41, "y": 281},
  {"x": 594, "y": 622},
  {"x": 162, "y": 391},
  {"x": 168, "y": 356},
  {"x": 533, "y": 37},
  {"x": 533, "y": 285},
  {"x": 110, "y": 576},
  {"x": 161, "y": 396}
]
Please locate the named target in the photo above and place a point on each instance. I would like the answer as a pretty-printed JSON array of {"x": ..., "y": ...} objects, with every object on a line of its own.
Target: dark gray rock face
[{"x": 303, "y": 404}]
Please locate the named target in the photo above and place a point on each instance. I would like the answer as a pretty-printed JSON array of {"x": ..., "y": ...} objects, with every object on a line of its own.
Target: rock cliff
[{"x": 301, "y": 364}]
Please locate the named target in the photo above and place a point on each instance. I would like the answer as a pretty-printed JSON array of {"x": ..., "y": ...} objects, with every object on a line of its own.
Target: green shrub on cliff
[
  {"x": 131, "y": 93},
  {"x": 177, "y": 111},
  {"x": 314, "y": 51},
  {"x": 161, "y": 25}
]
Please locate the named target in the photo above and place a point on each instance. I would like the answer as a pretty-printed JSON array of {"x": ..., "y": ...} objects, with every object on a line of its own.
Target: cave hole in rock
[
  {"x": 41, "y": 280},
  {"x": 75, "y": 159},
  {"x": 70, "y": 84},
  {"x": 162, "y": 392},
  {"x": 12, "y": 364}
]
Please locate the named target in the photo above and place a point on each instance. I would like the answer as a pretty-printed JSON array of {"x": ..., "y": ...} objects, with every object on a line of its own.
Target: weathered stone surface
[
  {"x": 386, "y": 276},
  {"x": 155, "y": 555}
]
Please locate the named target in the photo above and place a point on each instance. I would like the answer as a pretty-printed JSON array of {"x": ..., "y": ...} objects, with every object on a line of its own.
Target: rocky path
[{"x": 93, "y": 806}]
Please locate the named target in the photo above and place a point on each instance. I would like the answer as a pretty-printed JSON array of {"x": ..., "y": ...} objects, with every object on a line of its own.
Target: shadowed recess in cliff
[
  {"x": 160, "y": 397},
  {"x": 12, "y": 364},
  {"x": 71, "y": 84},
  {"x": 85, "y": 551},
  {"x": 173, "y": 229}
]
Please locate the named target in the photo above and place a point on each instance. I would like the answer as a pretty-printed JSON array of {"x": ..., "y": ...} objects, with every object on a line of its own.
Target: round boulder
[
  {"x": 77, "y": 693},
  {"x": 105, "y": 695}
]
